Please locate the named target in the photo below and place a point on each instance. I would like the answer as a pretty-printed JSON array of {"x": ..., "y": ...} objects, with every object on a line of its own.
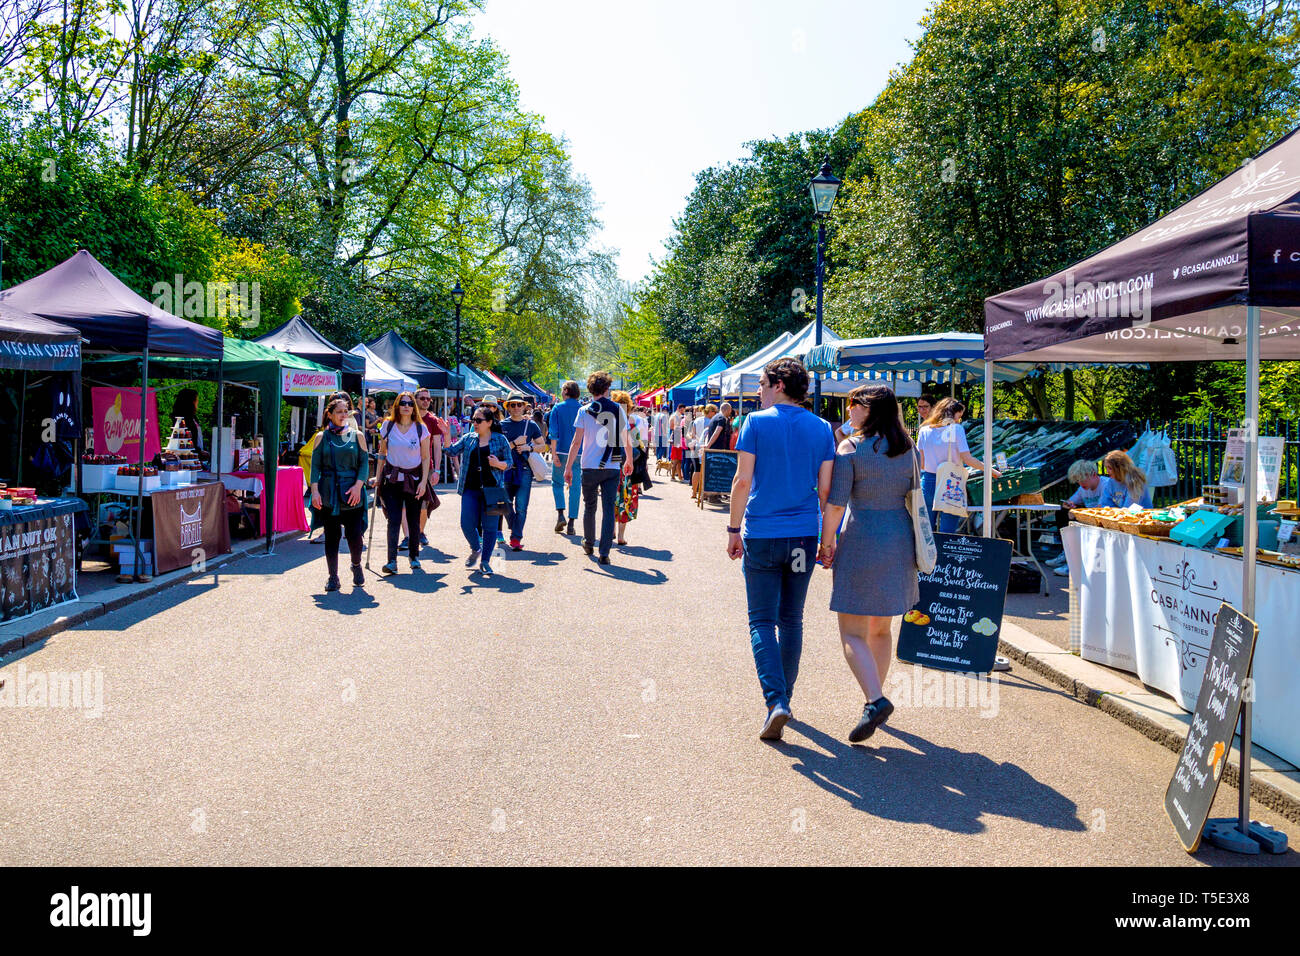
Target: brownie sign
[
  {"x": 955, "y": 624},
  {"x": 1205, "y": 752}
]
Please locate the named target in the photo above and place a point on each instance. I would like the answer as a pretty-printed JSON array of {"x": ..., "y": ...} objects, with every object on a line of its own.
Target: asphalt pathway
[{"x": 557, "y": 712}]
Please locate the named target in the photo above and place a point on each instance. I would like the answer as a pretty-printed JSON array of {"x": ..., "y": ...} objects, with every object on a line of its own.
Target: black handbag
[{"x": 498, "y": 503}]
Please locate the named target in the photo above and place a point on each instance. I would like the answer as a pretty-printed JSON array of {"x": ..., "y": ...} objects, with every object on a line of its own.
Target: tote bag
[
  {"x": 926, "y": 552},
  {"x": 950, "y": 485},
  {"x": 541, "y": 470}
]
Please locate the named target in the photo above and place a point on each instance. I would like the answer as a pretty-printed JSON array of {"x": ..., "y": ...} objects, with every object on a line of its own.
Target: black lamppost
[
  {"x": 458, "y": 294},
  {"x": 823, "y": 188}
]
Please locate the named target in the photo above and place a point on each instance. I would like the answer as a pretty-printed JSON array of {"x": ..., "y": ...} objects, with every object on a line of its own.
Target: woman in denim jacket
[{"x": 484, "y": 452}]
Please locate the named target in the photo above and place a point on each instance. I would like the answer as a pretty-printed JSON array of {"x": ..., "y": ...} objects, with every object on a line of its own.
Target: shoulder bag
[
  {"x": 950, "y": 483},
  {"x": 927, "y": 555}
]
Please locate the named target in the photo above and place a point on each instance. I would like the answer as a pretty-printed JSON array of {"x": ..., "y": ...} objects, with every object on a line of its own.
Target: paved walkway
[{"x": 557, "y": 712}]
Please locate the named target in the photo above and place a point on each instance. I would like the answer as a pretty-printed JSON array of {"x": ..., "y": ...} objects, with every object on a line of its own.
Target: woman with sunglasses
[
  {"x": 484, "y": 456},
  {"x": 339, "y": 470},
  {"x": 524, "y": 436},
  {"x": 403, "y": 475}
]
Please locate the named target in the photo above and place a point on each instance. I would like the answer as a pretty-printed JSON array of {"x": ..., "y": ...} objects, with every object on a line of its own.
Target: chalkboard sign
[
  {"x": 1209, "y": 739},
  {"x": 719, "y": 470},
  {"x": 955, "y": 624}
]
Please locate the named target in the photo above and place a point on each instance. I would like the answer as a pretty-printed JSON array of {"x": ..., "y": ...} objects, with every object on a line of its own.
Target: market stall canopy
[
  {"x": 297, "y": 337},
  {"x": 937, "y": 357},
  {"x": 742, "y": 378},
  {"x": 649, "y": 399},
  {"x": 249, "y": 362},
  {"x": 542, "y": 394},
  {"x": 397, "y": 352},
  {"x": 476, "y": 383},
  {"x": 380, "y": 376},
  {"x": 1178, "y": 289},
  {"x": 694, "y": 388},
  {"x": 504, "y": 387},
  {"x": 29, "y": 342},
  {"x": 81, "y": 293}
]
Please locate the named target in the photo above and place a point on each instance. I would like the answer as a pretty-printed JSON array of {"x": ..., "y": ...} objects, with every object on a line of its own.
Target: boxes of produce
[{"x": 1012, "y": 482}]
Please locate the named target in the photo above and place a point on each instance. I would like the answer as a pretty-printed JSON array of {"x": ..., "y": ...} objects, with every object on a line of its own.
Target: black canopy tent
[
  {"x": 29, "y": 343},
  {"x": 81, "y": 293},
  {"x": 398, "y": 353},
  {"x": 297, "y": 337},
  {"x": 1216, "y": 279}
]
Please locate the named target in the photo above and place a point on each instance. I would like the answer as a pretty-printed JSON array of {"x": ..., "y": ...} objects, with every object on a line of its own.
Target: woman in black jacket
[{"x": 340, "y": 468}]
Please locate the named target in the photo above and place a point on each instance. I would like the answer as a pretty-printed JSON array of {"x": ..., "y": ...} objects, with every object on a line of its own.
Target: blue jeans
[
  {"x": 777, "y": 574},
  {"x": 557, "y": 483},
  {"x": 519, "y": 495},
  {"x": 688, "y": 468},
  {"x": 944, "y": 523},
  {"x": 661, "y": 450},
  {"x": 600, "y": 484},
  {"x": 472, "y": 506}
]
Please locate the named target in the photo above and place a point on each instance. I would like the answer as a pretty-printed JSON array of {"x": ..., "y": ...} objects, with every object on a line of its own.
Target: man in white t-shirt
[{"x": 601, "y": 437}]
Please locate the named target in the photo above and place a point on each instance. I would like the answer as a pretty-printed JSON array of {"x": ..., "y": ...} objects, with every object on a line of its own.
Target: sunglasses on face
[
  {"x": 478, "y": 420},
  {"x": 422, "y": 398},
  {"x": 407, "y": 404}
]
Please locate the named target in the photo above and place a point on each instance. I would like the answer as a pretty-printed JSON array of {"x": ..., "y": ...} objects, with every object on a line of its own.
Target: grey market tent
[
  {"x": 398, "y": 353},
  {"x": 29, "y": 342},
  {"x": 298, "y": 337}
]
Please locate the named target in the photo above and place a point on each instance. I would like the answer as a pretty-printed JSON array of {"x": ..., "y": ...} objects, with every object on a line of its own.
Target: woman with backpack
[
  {"x": 403, "y": 475},
  {"x": 484, "y": 454},
  {"x": 874, "y": 560},
  {"x": 340, "y": 468}
]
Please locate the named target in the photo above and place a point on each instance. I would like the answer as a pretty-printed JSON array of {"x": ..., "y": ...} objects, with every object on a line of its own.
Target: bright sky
[{"x": 649, "y": 92}]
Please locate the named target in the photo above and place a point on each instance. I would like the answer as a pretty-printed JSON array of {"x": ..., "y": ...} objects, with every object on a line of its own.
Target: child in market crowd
[{"x": 1088, "y": 493}]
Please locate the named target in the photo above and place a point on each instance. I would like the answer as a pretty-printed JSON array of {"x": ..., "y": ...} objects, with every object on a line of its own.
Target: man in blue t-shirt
[
  {"x": 560, "y": 428},
  {"x": 783, "y": 474}
]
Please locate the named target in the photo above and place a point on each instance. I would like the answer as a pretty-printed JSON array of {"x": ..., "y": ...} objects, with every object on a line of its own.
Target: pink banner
[{"x": 117, "y": 423}]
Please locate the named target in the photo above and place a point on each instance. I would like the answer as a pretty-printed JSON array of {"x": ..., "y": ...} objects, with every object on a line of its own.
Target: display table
[
  {"x": 38, "y": 556},
  {"x": 1148, "y": 607},
  {"x": 290, "y": 513}
]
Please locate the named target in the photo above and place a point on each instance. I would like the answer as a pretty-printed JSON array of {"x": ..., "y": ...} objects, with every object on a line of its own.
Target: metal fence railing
[{"x": 1199, "y": 450}]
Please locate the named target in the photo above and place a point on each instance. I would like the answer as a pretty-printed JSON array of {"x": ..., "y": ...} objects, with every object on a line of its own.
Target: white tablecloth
[{"x": 1148, "y": 607}]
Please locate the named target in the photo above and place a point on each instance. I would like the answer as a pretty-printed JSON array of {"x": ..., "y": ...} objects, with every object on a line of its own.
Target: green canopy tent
[{"x": 273, "y": 373}]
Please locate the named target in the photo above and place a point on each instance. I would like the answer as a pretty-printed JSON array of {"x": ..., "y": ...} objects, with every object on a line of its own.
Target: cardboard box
[{"x": 129, "y": 483}]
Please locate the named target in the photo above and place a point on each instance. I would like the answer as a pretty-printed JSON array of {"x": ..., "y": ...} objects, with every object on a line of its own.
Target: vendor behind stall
[
  {"x": 186, "y": 406},
  {"x": 1125, "y": 483}
]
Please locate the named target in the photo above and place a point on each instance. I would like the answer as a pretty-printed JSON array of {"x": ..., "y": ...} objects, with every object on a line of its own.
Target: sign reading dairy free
[
  {"x": 117, "y": 423},
  {"x": 300, "y": 382}
]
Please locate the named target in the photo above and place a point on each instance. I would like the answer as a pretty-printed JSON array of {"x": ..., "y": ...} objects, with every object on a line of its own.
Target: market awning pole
[
  {"x": 988, "y": 449},
  {"x": 22, "y": 419},
  {"x": 144, "y": 433},
  {"x": 1249, "y": 541},
  {"x": 221, "y": 418}
]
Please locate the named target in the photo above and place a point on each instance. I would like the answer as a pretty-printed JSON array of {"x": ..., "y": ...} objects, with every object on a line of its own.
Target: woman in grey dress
[{"x": 874, "y": 561}]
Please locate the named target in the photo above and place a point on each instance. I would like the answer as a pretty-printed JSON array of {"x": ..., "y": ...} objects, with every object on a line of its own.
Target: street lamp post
[
  {"x": 823, "y": 188},
  {"x": 458, "y": 294}
]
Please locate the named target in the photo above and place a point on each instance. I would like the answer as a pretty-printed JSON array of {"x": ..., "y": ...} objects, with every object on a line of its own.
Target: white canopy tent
[
  {"x": 742, "y": 378},
  {"x": 380, "y": 376}
]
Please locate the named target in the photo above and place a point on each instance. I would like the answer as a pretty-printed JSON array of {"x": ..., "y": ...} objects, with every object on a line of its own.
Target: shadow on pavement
[
  {"x": 944, "y": 787},
  {"x": 495, "y": 582},
  {"x": 435, "y": 556},
  {"x": 345, "y": 602},
  {"x": 416, "y": 582},
  {"x": 640, "y": 551},
  {"x": 541, "y": 559},
  {"x": 629, "y": 574}
]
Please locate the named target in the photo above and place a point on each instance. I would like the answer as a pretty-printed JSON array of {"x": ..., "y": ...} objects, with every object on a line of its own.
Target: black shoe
[
  {"x": 332, "y": 584},
  {"x": 559, "y": 521},
  {"x": 570, "y": 530},
  {"x": 604, "y": 559},
  {"x": 424, "y": 542},
  {"x": 873, "y": 715},
  {"x": 358, "y": 576},
  {"x": 403, "y": 544},
  {"x": 390, "y": 567},
  {"x": 588, "y": 547}
]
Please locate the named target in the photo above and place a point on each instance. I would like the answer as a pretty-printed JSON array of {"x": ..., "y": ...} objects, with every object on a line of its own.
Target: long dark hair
[{"x": 883, "y": 419}]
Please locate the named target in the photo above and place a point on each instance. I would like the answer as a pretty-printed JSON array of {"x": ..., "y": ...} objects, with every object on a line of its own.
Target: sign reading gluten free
[
  {"x": 1209, "y": 739},
  {"x": 955, "y": 624}
]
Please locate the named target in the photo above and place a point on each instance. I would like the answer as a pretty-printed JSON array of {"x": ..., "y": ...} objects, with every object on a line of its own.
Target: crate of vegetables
[{"x": 1012, "y": 482}]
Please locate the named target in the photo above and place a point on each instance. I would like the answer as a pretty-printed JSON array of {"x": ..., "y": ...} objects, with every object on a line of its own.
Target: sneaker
[
  {"x": 358, "y": 575},
  {"x": 873, "y": 715},
  {"x": 332, "y": 583},
  {"x": 1055, "y": 562},
  {"x": 604, "y": 559},
  {"x": 559, "y": 521},
  {"x": 389, "y": 568},
  {"x": 424, "y": 542},
  {"x": 777, "y": 718},
  {"x": 415, "y": 564},
  {"x": 570, "y": 530},
  {"x": 588, "y": 547},
  {"x": 1063, "y": 571},
  {"x": 516, "y": 544},
  {"x": 485, "y": 568},
  {"x": 472, "y": 559},
  {"x": 404, "y": 543}
]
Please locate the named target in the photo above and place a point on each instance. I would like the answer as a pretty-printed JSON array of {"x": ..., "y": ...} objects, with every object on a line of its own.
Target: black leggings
[
  {"x": 395, "y": 503},
  {"x": 336, "y": 526}
]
